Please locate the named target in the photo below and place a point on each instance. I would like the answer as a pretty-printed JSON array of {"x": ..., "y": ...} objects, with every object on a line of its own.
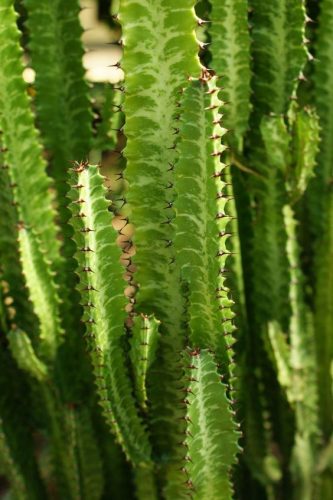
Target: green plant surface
[
  {"x": 9, "y": 467},
  {"x": 321, "y": 208},
  {"x": 323, "y": 99},
  {"x": 17, "y": 459},
  {"x": 208, "y": 415},
  {"x": 202, "y": 220},
  {"x": 102, "y": 288},
  {"x": 89, "y": 457},
  {"x": 145, "y": 484},
  {"x": 144, "y": 342},
  {"x": 60, "y": 428},
  {"x": 305, "y": 142},
  {"x": 279, "y": 54},
  {"x": 64, "y": 117},
  {"x": 111, "y": 116},
  {"x": 271, "y": 280},
  {"x": 235, "y": 262},
  {"x": 62, "y": 98},
  {"x": 43, "y": 291},
  {"x": 166, "y": 331},
  {"x": 21, "y": 139},
  {"x": 10, "y": 265},
  {"x": 323, "y": 320},
  {"x": 160, "y": 53},
  {"x": 303, "y": 382},
  {"x": 59, "y": 420},
  {"x": 230, "y": 48},
  {"x": 25, "y": 356}
]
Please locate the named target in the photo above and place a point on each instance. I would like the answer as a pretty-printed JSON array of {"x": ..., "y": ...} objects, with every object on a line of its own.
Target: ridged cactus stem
[
  {"x": 230, "y": 49},
  {"x": 102, "y": 289},
  {"x": 203, "y": 220},
  {"x": 208, "y": 460},
  {"x": 321, "y": 210},
  {"x": 160, "y": 53}
]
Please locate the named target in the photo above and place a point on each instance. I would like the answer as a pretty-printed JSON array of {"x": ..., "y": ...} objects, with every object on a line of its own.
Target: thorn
[
  {"x": 227, "y": 197},
  {"x": 169, "y": 204},
  {"x": 117, "y": 42},
  {"x": 171, "y": 167},
  {"x": 79, "y": 166},
  {"x": 118, "y": 107},
  {"x": 308, "y": 19},
  {"x": 87, "y": 270},
  {"x": 186, "y": 418},
  {"x": 195, "y": 352},
  {"x": 168, "y": 243},
  {"x": 86, "y": 230},
  {"x": 189, "y": 484},
  {"x": 221, "y": 215},
  {"x": 116, "y": 65},
  {"x": 124, "y": 201},
  {"x": 88, "y": 304},
  {"x": 203, "y": 45},
  {"x": 89, "y": 288},
  {"x": 201, "y": 22},
  {"x": 168, "y": 221},
  {"x": 126, "y": 220},
  {"x": 212, "y": 107},
  {"x": 120, "y": 174},
  {"x": 217, "y": 174},
  {"x": 188, "y": 390},
  {"x": 224, "y": 233},
  {"x": 86, "y": 249}
]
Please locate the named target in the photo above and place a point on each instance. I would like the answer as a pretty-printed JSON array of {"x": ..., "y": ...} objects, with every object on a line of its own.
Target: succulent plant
[{"x": 166, "y": 323}]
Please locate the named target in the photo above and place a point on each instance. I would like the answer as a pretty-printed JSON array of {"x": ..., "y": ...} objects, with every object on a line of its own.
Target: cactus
[
  {"x": 231, "y": 61},
  {"x": 144, "y": 343},
  {"x": 102, "y": 290},
  {"x": 322, "y": 227},
  {"x": 165, "y": 323},
  {"x": 209, "y": 459}
]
